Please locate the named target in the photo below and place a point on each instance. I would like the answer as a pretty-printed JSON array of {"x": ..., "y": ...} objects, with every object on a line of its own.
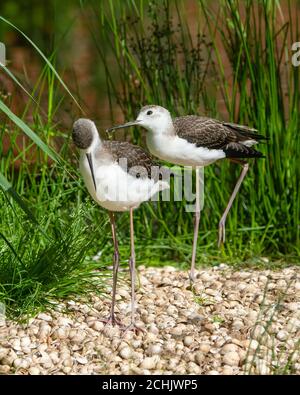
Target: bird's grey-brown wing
[
  {"x": 245, "y": 131},
  {"x": 133, "y": 159},
  {"x": 214, "y": 134}
]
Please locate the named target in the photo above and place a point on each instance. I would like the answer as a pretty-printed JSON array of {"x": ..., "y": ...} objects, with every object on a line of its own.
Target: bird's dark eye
[{"x": 149, "y": 112}]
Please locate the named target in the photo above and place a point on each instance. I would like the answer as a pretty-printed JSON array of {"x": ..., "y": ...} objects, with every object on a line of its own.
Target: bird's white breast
[
  {"x": 116, "y": 189},
  {"x": 180, "y": 152}
]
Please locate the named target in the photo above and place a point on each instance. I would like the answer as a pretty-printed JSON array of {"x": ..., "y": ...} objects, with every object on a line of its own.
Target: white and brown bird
[
  {"x": 197, "y": 141},
  {"x": 119, "y": 177}
]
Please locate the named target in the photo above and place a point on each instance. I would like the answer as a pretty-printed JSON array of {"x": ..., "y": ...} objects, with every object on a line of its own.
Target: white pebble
[
  {"x": 3, "y": 352},
  {"x": 231, "y": 358},
  {"x": 64, "y": 321},
  {"x": 60, "y": 333},
  {"x": 211, "y": 292},
  {"x": 257, "y": 332},
  {"x": 213, "y": 373},
  {"x": 8, "y": 359},
  {"x": 125, "y": 353},
  {"x": 154, "y": 349},
  {"x": 293, "y": 325},
  {"x": 229, "y": 348},
  {"x": 44, "y": 331},
  {"x": 206, "y": 276},
  {"x": 172, "y": 310},
  {"x": 136, "y": 343},
  {"x": 149, "y": 362},
  {"x": 54, "y": 357},
  {"x": 188, "y": 340},
  {"x": 294, "y": 306},
  {"x": 44, "y": 317},
  {"x": 68, "y": 362},
  {"x": 262, "y": 367},
  {"x": 176, "y": 331},
  {"x": 237, "y": 325},
  {"x": 21, "y": 363},
  {"x": 193, "y": 368},
  {"x": 16, "y": 345},
  {"x": 98, "y": 326},
  {"x": 25, "y": 341},
  {"x": 199, "y": 357},
  {"x": 153, "y": 329},
  {"x": 205, "y": 347},
  {"x": 46, "y": 362},
  {"x": 82, "y": 360},
  {"x": 34, "y": 371},
  {"x": 78, "y": 339},
  {"x": 84, "y": 370},
  {"x": 227, "y": 370},
  {"x": 282, "y": 335},
  {"x": 4, "y": 369}
]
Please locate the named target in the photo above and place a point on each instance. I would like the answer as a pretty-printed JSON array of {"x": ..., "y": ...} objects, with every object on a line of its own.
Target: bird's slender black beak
[
  {"x": 125, "y": 125},
  {"x": 90, "y": 160}
]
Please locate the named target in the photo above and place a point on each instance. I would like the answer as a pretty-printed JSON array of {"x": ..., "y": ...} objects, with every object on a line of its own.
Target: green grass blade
[
  {"x": 4, "y": 183},
  {"x": 8, "y": 72},
  {"x": 26, "y": 129},
  {"x": 8, "y": 188},
  {"x": 45, "y": 59}
]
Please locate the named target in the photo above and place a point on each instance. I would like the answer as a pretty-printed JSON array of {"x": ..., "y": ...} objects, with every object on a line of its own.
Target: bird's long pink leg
[
  {"x": 132, "y": 268},
  {"x": 132, "y": 275},
  {"x": 232, "y": 197},
  {"x": 116, "y": 263},
  {"x": 196, "y": 226},
  {"x": 132, "y": 271}
]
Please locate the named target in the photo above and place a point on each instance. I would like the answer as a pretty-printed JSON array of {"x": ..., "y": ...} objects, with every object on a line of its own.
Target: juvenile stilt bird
[
  {"x": 119, "y": 177},
  {"x": 197, "y": 141}
]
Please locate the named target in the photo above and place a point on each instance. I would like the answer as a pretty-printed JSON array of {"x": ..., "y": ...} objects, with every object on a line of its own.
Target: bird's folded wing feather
[
  {"x": 204, "y": 132},
  {"x": 139, "y": 162},
  {"x": 245, "y": 131}
]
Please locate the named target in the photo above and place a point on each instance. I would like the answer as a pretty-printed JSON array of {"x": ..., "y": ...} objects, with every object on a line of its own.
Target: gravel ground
[{"x": 230, "y": 323}]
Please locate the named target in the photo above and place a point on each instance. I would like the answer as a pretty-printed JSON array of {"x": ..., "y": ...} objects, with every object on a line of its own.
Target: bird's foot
[
  {"x": 221, "y": 239},
  {"x": 133, "y": 327},
  {"x": 192, "y": 277},
  {"x": 112, "y": 320}
]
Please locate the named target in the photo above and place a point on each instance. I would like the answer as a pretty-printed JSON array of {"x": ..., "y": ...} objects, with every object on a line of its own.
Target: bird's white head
[
  {"x": 85, "y": 134},
  {"x": 155, "y": 119}
]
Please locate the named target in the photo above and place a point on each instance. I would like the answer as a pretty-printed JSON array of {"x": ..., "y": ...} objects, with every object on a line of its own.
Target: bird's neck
[
  {"x": 96, "y": 145},
  {"x": 163, "y": 128},
  {"x": 160, "y": 140}
]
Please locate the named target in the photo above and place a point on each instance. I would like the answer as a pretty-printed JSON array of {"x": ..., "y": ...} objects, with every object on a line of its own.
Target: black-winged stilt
[
  {"x": 197, "y": 141},
  {"x": 119, "y": 177}
]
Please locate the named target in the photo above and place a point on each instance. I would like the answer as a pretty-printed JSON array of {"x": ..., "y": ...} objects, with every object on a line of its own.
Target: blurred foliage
[{"x": 43, "y": 21}]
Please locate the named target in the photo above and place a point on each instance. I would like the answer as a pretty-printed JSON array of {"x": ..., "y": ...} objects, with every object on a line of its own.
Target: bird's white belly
[
  {"x": 180, "y": 152},
  {"x": 116, "y": 189}
]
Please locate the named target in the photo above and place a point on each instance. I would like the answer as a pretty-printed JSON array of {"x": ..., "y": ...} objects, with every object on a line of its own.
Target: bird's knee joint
[
  {"x": 116, "y": 255},
  {"x": 131, "y": 261}
]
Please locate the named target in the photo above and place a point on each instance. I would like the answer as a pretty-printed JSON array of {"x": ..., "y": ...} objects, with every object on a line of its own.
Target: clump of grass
[{"x": 36, "y": 269}]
